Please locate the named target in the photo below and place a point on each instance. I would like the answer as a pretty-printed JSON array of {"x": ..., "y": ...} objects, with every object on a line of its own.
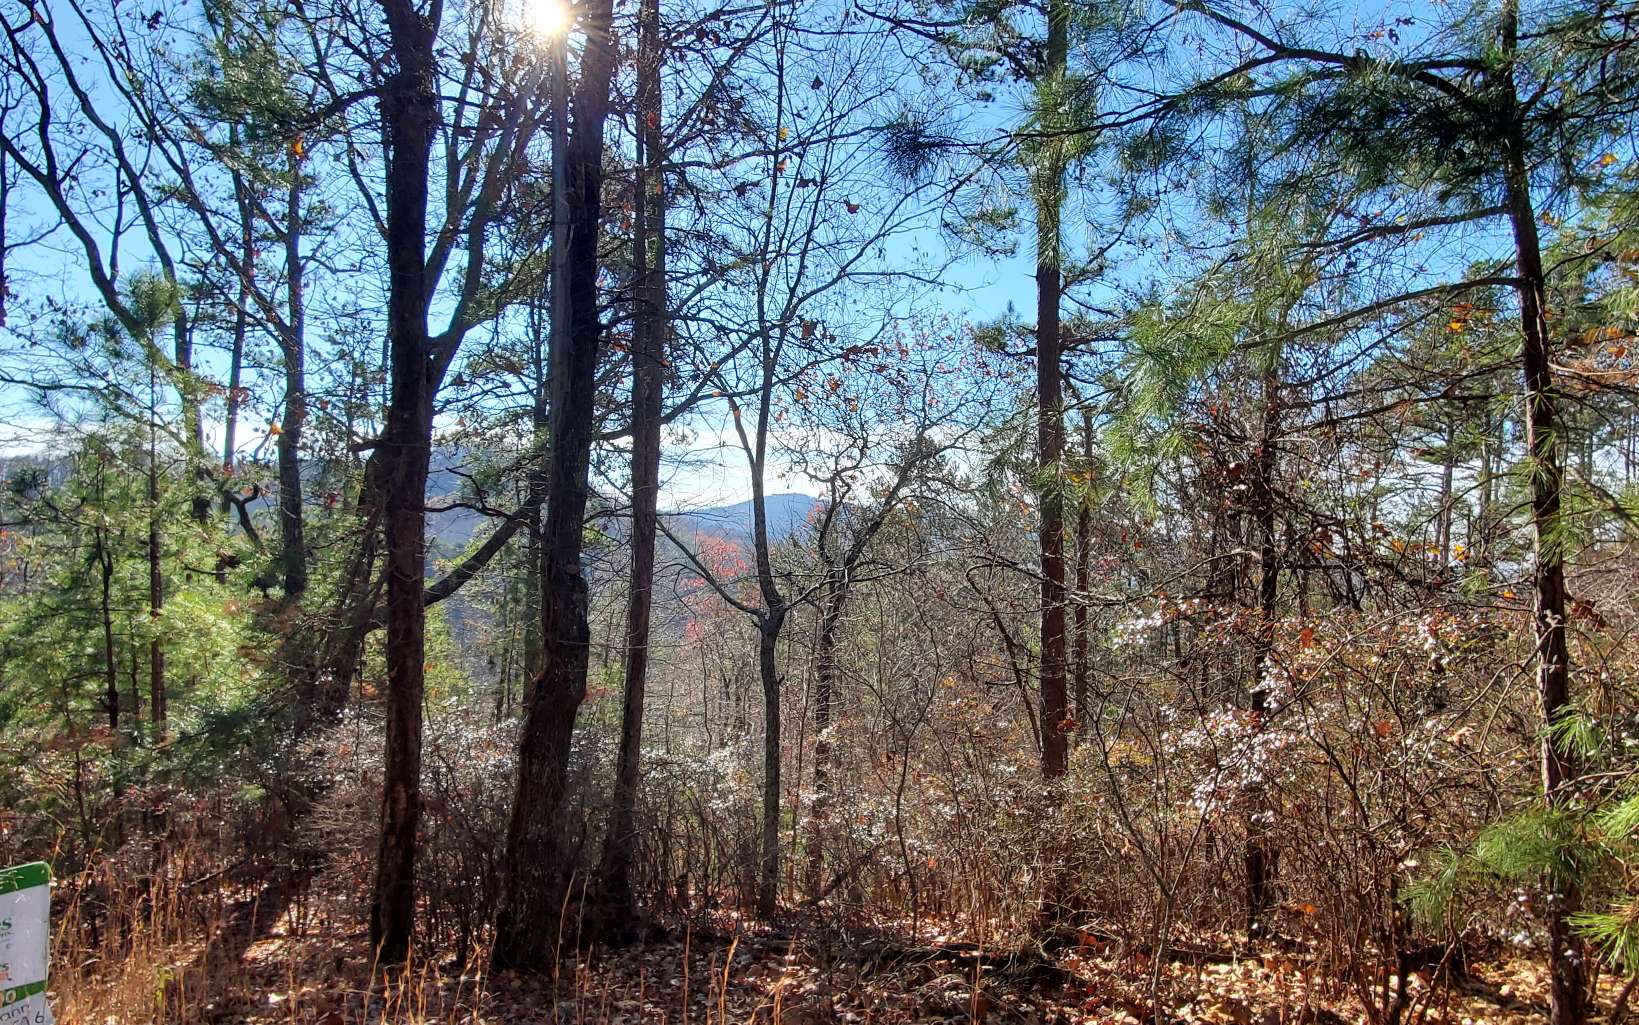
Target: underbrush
[{"x": 201, "y": 896}]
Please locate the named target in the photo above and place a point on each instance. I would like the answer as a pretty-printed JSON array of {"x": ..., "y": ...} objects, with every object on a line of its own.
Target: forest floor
[{"x": 740, "y": 975}]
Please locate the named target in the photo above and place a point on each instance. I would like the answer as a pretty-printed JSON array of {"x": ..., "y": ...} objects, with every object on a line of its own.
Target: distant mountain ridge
[
  {"x": 450, "y": 530},
  {"x": 788, "y": 513}
]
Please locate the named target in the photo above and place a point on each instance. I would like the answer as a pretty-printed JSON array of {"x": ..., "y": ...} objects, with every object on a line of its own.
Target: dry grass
[{"x": 179, "y": 955}]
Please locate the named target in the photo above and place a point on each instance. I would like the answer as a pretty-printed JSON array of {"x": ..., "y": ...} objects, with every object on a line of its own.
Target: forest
[{"x": 803, "y": 511}]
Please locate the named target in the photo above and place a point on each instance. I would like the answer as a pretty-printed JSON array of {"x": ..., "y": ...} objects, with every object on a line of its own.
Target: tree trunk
[
  {"x": 648, "y": 370},
  {"x": 1448, "y": 460},
  {"x": 1480, "y": 543},
  {"x": 292, "y": 547},
  {"x": 156, "y": 572},
  {"x": 825, "y": 676},
  {"x": 1568, "y": 979},
  {"x": 534, "y": 646},
  {"x": 537, "y": 864},
  {"x": 1084, "y": 554},
  {"x": 770, "y": 622},
  {"x": 5, "y": 207},
  {"x": 1050, "y": 422},
  {"x": 187, "y": 389},
  {"x": 1629, "y": 448},
  {"x": 241, "y": 320},
  {"x": 1568, "y": 988},
  {"x": 156, "y": 644},
  {"x": 136, "y": 694},
  {"x": 768, "y": 868},
  {"x": 1260, "y": 858},
  {"x": 1049, "y": 450},
  {"x": 327, "y": 663},
  {"x": 409, "y": 107},
  {"x": 105, "y": 564}
]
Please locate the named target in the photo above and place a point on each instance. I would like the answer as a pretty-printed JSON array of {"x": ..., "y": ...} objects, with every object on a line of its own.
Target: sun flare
[{"x": 547, "y": 18}]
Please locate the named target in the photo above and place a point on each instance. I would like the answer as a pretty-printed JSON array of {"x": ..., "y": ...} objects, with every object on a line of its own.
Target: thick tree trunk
[
  {"x": 1568, "y": 989},
  {"x": 534, "y": 653},
  {"x": 648, "y": 371},
  {"x": 409, "y": 106},
  {"x": 1568, "y": 994},
  {"x": 1050, "y": 425},
  {"x": 327, "y": 662},
  {"x": 537, "y": 863},
  {"x": 392, "y": 912},
  {"x": 1049, "y": 451}
]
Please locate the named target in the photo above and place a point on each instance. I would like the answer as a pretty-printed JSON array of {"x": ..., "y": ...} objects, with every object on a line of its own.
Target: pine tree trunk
[
  {"x": 648, "y": 370},
  {"x": 409, "y": 107},
  {"x": 537, "y": 864},
  {"x": 156, "y": 574},
  {"x": 1049, "y": 450},
  {"x": 292, "y": 545},
  {"x": 1448, "y": 461},
  {"x": 534, "y": 653},
  {"x": 111, "y": 672},
  {"x": 1480, "y": 544},
  {"x": 156, "y": 644},
  {"x": 1084, "y": 554},
  {"x": 326, "y": 664},
  {"x": 193, "y": 421},
  {"x": 1552, "y": 651},
  {"x": 1050, "y": 426},
  {"x": 1629, "y": 445},
  {"x": 1568, "y": 980},
  {"x": 241, "y": 319},
  {"x": 1260, "y": 858}
]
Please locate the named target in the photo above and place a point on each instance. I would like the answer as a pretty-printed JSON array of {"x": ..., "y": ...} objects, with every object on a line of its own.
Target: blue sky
[{"x": 975, "y": 288}]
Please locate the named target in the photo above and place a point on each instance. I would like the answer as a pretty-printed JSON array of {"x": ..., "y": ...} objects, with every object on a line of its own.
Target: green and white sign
[{"x": 25, "y": 936}]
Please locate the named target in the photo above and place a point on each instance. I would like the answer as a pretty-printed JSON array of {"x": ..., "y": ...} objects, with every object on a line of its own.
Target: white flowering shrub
[{"x": 467, "y": 778}]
